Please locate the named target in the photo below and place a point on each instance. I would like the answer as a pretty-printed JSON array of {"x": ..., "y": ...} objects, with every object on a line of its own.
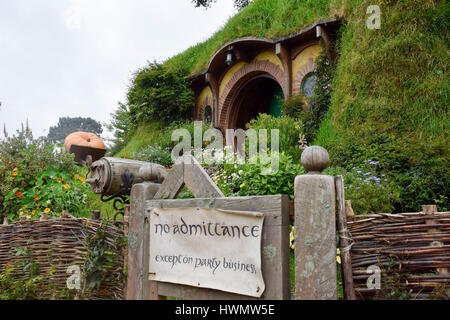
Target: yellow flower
[
  {"x": 33, "y": 213},
  {"x": 47, "y": 210},
  {"x": 14, "y": 174},
  {"x": 66, "y": 186},
  {"x": 338, "y": 256},
  {"x": 16, "y": 169},
  {"x": 12, "y": 179},
  {"x": 292, "y": 238},
  {"x": 242, "y": 185}
]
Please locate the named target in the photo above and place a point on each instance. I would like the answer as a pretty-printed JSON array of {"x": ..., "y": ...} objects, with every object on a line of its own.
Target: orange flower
[
  {"x": 36, "y": 198},
  {"x": 47, "y": 210},
  {"x": 66, "y": 186}
]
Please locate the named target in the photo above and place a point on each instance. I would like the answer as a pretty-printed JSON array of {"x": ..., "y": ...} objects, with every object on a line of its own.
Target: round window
[
  {"x": 309, "y": 84},
  {"x": 207, "y": 115}
]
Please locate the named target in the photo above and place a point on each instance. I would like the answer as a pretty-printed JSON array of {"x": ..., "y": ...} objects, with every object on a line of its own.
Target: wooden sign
[{"x": 207, "y": 248}]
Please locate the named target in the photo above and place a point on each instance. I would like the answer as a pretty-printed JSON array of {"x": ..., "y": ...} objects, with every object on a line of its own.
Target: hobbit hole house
[{"x": 250, "y": 75}]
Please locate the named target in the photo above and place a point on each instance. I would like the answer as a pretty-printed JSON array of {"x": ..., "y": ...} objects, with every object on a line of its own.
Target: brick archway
[
  {"x": 309, "y": 67},
  {"x": 240, "y": 79},
  {"x": 201, "y": 109}
]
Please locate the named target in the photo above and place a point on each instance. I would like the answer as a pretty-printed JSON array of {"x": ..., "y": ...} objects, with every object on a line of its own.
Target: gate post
[
  {"x": 137, "y": 288},
  {"x": 315, "y": 229}
]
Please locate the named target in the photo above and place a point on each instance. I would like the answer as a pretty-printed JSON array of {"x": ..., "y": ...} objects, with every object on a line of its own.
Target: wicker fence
[
  {"x": 411, "y": 250},
  {"x": 56, "y": 244}
]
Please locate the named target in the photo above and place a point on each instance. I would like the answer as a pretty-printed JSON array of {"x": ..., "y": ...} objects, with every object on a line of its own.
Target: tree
[
  {"x": 67, "y": 125},
  {"x": 239, "y": 4},
  {"x": 122, "y": 126},
  {"x": 158, "y": 93}
]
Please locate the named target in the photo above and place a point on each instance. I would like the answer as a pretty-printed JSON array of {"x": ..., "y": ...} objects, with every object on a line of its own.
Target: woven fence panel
[
  {"x": 56, "y": 244},
  {"x": 411, "y": 249}
]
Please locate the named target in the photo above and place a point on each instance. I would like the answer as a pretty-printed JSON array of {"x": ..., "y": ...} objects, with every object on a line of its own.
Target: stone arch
[
  {"x": 309, "y": 67},
  {"x": 240, "y": 79},
  {"x": 201, "y": 109}
]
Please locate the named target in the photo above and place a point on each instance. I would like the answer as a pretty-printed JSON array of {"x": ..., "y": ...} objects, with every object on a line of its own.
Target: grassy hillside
[
  {"x": 145, "y": 134},
  {"x": 390, "y": 93},
  {"x": 262, "y": 18},
  {"x": 391, "y": 96}
]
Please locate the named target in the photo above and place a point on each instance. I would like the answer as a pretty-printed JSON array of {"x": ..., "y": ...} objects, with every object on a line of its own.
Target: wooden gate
[{"x": 187, "y": 171}]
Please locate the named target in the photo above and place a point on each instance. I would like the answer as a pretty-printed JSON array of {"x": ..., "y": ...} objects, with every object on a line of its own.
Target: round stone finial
[{"x": 315, "y": 159}]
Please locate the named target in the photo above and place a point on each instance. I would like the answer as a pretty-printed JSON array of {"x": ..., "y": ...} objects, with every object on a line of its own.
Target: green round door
[{"x": 276, "y": 102}]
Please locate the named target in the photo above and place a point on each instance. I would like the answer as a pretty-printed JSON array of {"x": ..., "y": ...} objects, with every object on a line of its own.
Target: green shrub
[
  {"x": 293, "y": 107},
  {"x": 53, "y": 192},
  {"x": 22, "y": 159},
  {"x": 156, "y": 94},
  {"x": 418, "y": 180},
  {"x": 370, "y": 190},
  {"x": 247, "y": 179},
  {"x": 290, "y": 131},
  {"x": 159, "y": 94}
]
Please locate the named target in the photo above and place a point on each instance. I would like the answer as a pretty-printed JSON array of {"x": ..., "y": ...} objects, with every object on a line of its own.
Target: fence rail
[
  {"x": 412, "y": 251},
  {"x": 56, "y": 244}
]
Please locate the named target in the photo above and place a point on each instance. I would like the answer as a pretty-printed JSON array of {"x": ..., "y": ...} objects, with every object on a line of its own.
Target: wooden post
[
  {"x": 344, "y": 241},
  {"x": 432, "y": 209},
  {"x": 315, "y": 229},
  {"x": 126, "y": 231},
  {"x": 285, "y": 56},
  {"x": 136, "y": 269},
  {"x": 350, "y": 215}
]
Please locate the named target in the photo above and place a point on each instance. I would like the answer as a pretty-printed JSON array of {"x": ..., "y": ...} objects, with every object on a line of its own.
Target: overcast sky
[{"x": 76, "y": 57}]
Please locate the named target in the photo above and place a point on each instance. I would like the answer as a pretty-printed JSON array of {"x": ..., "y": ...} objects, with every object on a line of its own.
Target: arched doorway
[{"x": 261, "y": 94}]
